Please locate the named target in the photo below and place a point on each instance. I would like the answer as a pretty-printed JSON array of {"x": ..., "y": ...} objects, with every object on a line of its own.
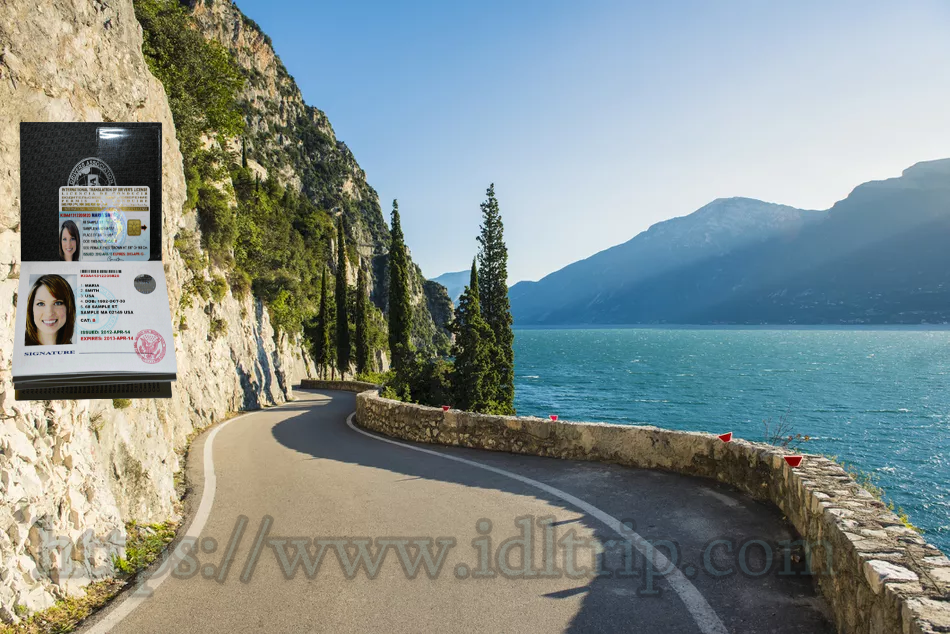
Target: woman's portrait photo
[
  {"x": 69, "y": 242},
  {"x": 50, "y": 312}
]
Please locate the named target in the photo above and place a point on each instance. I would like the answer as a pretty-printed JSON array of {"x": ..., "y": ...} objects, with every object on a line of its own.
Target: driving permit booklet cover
[{"x": 92, "y": 314}]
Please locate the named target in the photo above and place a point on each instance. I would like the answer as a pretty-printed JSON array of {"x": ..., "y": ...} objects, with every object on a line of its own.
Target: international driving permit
[
  {"x": 104, "y": 223},
  {"x": 105, "y": 322}
]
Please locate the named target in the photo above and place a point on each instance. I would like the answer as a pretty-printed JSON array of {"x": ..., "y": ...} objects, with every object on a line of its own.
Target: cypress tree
[
  {"x": 342, "y": 322},
  {"x": 495, "y": 308},
  {"x": 244, "y": 152},
  {"x": 322, "y": 339},
  {"x": 400, "y": 308},
  {"x": 362, "y": 326},
  {"x": 474, "y": 371}
]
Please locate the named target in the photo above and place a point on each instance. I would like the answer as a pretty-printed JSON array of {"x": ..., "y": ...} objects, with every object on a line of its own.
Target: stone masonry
[
  {"x": 877, "y": 575},
  {"x": 346, "y": 386}
]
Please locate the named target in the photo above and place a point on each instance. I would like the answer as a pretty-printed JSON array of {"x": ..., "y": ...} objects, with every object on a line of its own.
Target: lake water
[{"x": 877, "y": 399}]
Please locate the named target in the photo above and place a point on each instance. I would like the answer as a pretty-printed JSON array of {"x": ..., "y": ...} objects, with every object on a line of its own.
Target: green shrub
[
  {"x": 389, "y": 392},
  {"x": 219, "y": 288},
  {"x": 431, "y": 382},
  {"x": 144, "y": 543},
  {"x": 216, "y": 218},
  {"x": 186, "y": 242},
  {"x": 379, "y": 378},
  {"x": 192, "y": 183},
  {"x": 428, "y": 382},
  {"x": 121, "y": 403},
  {"x": 240, "y": 283},
  {"x": 218, "y": 327},
  {"x": 200, "y": 76},
  {"x": 197, "y": 286},
  {"x": 284, "y": 312}
]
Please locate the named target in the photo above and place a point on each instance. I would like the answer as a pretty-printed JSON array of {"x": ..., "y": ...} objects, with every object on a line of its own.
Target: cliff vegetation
[{"x": 266, "y": 178}]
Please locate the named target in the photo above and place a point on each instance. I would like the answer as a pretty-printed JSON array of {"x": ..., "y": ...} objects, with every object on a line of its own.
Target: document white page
[{"x": 81, "y": 319}]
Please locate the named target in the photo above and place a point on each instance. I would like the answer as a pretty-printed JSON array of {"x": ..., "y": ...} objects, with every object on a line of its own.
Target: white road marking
[
  {"x": 702, "y": 613},
  {"x": 705, "y": 617},
  {"x": 146, "y": 589}
]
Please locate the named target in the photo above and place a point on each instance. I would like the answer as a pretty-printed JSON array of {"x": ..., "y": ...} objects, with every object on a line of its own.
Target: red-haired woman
[{"x": 50, "y": 312}]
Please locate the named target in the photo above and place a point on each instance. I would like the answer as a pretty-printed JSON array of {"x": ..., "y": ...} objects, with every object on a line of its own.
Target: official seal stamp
[
  {"x": 91, "y": 172},
  {"x": 150, "y": 346}
]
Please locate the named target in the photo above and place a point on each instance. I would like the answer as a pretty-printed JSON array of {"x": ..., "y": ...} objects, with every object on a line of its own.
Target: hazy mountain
[
  {"x": 879, "y": 256},
  {"x": 454, "y": 283},
  {"x": 592, "y": 287}
]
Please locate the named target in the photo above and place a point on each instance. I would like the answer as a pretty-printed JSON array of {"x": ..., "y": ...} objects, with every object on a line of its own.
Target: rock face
[
  {"x": 454, "y": 283},
  {"x": 73, "y": 472},
  {"x": 439, "y": 303},
  {"x": 295, "y": 142}
]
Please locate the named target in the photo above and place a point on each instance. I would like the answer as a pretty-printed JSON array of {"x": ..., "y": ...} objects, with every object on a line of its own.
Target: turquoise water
[{"x": 876, "y": 399}]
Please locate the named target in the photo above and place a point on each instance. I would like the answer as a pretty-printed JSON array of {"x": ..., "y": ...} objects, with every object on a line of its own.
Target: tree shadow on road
[{"x": 690, "y": 512}]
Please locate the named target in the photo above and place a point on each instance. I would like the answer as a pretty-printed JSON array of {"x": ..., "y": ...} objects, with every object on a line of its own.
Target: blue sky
[{"x": 597, "y": 119}]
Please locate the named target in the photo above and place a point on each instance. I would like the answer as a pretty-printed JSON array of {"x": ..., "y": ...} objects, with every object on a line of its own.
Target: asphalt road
[{"x": 300, "y": 472}]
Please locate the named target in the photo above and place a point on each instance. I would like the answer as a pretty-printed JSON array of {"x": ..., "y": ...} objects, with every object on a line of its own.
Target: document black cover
[{"x": 49, "y": 154}]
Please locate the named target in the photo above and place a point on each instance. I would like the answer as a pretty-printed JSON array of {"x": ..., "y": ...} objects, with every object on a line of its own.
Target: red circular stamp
[{"x": 150, "y": 346}]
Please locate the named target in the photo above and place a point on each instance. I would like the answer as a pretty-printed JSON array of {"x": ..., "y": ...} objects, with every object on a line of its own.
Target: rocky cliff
[
  {"x": 295, "y": 142},
  {"x": 76, "y": 471}
]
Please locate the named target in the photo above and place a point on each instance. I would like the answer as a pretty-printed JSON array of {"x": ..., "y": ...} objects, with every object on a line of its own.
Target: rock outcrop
[
  {"x": 73, "y": 472},
  {"x": 295, "y": 142}
]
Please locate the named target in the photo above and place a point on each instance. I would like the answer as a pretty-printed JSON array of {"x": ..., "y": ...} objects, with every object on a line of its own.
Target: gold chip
[{"x": 134, "y": 228}]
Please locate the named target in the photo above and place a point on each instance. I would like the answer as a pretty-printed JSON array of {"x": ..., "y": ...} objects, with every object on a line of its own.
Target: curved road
[{"x": 295, "y": 482}]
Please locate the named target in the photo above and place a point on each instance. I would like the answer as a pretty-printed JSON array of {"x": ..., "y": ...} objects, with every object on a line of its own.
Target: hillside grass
[{"x": 145, "y": 542}]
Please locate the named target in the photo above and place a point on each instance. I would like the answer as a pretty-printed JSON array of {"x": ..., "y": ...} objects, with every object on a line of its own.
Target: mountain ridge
[
  {"x": 453, "y": 282},
  {"x": 296, "y": 143},
  {"x": 739, "y": 247}
]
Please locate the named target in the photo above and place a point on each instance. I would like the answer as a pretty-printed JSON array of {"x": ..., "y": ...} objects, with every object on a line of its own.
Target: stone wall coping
[
  {"x": 347, "y": 386},
  {"x": 876, "y": 574}
]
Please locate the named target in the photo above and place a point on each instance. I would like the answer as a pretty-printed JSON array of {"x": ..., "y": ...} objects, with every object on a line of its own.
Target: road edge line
[
  {"x": 145, "y": 589},
  {"x": 703, "y": 615}
]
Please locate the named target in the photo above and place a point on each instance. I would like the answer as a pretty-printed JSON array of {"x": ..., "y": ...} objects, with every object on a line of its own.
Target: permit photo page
[{"x": 92, "y": 313}]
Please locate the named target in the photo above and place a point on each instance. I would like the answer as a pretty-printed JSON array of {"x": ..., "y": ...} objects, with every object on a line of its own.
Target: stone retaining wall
[
  {"x": 345, "y": 386},
  {"x": 876, "y": 574}
]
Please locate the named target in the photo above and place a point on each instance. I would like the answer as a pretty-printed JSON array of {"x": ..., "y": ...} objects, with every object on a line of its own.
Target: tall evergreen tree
[
  {"x": 362, "y": 324},
  {"x": 475, "y": 376},
  {"x": 322, "y": 339},
  {"x": 400, "y": 307},
  {"x": 342, "y": 321},
  {"x": 496, "y": 310},
  {"x": 244, "y": 152}
]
